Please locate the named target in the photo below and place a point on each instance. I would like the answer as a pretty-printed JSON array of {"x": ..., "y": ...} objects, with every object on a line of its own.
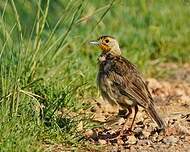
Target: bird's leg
[
  {"x": 127, "y": 116},
  {"x": 136, "y": 110}
]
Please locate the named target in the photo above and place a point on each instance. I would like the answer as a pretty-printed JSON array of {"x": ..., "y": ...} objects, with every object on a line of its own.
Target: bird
[{"x": 121, "y": 84}]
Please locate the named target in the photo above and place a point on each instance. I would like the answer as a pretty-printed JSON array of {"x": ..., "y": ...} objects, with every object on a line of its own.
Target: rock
[
  {"x": 160, "y": 138},
  {"x": 154, "y": 137},
  {"x": 121, "y": 121},
  {"x": 80, "y": 126},
  {"x": 132, "y": 149},
  {"x": 99, "y": 117},
  {"x": 144, "y": 142},
  {"x": 187, "y": 139},
  {"x": 93, "y": 109},
  {"x": 140, "y": 123},
  {"x": 120, "y": 142},
  {"x": 132, "y": 140},
  {"x": 153, "y": 83},
  {"x": 106, "y": 107},
  {"x": 170, "y": 131},
  {"x": 182, "y": 129},
  {"x": 138, "y": 132},
  {"x": 182, "y": 137},
  {"x": 146, "y": 134},
  {"x": 102, "y": 142},
  {"x": 90, "y": 134},
  {"x": 170, "y": 140}
]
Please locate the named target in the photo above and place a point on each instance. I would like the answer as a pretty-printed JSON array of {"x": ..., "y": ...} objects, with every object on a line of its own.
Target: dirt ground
[{"x": 172, "y": 101}]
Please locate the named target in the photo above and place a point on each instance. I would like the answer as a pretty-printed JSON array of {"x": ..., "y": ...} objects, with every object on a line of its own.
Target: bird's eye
[{"x": 107, "y": 41}]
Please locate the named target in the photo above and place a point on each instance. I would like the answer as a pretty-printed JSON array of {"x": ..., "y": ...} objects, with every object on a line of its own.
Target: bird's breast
[
  {"x": 106, "y": 66},
  {"x": 105, "y": 69}
]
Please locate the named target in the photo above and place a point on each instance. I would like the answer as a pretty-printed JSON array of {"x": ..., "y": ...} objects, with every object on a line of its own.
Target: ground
[
  {"x": 172, "y": 101},
  {"x": 49, "y": 100}
]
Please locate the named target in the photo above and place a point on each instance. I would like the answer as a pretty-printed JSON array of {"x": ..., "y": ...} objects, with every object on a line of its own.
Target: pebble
[
  {"x": 154, "y": 139},
  {"x": 138, "y": 131},
  {"x": 183, "y": 130},
  {"x": 182, "y": 137},
  {"x": 160, "y": 138},
  {"x": 102, "y": 142},
  {"x": 170, "y": 140},
  {"x": 120, "y": 142},
  {"x": 91, "y": 134},
  {"x": 144, "y": 142},
  {"x": 121, "y": 121},
  {"x": 146, "y": 134},
  {"x": 187, "y": 139},
  {"x": 132, "y": 140},
  {"x": 80, "y": 126},
  {"x": 88, "y": 133}
]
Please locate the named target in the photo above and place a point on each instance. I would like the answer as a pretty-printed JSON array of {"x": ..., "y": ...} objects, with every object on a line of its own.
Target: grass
[{"x": 46, "y": 65}]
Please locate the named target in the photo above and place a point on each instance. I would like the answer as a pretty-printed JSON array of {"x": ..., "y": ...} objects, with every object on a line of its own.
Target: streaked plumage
[{"x": 120, "y": 83}]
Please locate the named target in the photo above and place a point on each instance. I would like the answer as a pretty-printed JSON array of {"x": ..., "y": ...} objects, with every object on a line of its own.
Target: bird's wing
[{"x": 129, "y": 82}]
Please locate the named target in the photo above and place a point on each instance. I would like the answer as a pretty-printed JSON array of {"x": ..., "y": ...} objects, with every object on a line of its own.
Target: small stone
[
  {"x": 112, "y": 132},
  {"x": 160, "y": 138},
  {"x": 121, "y": 121},
  {"x": 154, "y": 139},
  {"x": 187, "y": 139},
  {"x": 171, "y": 140},
  {"x": 99, "y": 117},
  {"x": 153, "y": 83},
  {"x": 182, "y": 137},
  {"x": 180, "y": 142},
  {"x": 170, "y": 131},
  {"x": 139, "y": 122},
  {"x": 182, "y": 129},
  {"x": 138, "y": 133},
  {"x": 102, "y": 142},
  {"x": 144, "y": 142},
  {"x": 120, "y": 142},
  {"x": 90, "y": 134},
  {"x": 132, "y": 149},
  {"x": 132, "y": 140},
  {"x": 114, "y": 148},
  {"x": 137, "y": 130},
  {"x": 146, "y": 134},
  {"x": 80, "y": 126},
  {"x": 93, "y": 109}
]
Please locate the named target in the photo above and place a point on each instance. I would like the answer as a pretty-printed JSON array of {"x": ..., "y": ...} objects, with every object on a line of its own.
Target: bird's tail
[{"x": 154, "y": 115}]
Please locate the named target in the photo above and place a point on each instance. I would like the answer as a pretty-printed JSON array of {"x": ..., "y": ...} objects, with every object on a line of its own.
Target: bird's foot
[{"x": 121, "y": 134}]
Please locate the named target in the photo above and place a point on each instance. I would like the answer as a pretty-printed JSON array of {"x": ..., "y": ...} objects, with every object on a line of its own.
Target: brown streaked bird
[{"x": 120, "y": 82}]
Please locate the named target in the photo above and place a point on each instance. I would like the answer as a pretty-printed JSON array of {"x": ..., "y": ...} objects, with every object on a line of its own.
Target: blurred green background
[{"x": 47, "y": 65}]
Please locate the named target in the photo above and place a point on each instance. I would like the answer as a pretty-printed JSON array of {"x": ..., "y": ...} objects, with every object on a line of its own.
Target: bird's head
[{"x": 107, "y": 44}]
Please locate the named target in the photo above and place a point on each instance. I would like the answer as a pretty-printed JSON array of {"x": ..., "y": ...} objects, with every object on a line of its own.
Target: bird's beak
[{"x": 94, "y": 42}]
